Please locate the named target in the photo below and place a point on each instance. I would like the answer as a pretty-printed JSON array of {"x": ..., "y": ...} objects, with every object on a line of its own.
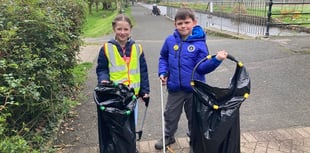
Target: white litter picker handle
[{"x": 162, "y": 115}]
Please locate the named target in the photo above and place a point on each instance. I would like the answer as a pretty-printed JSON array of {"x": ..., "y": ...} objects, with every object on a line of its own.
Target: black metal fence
[
  {"x": 249, "y": 17},
  {"x": 288, "y": 13}
]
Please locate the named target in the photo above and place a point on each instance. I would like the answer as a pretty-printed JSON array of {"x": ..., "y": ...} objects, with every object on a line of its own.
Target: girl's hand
[
  {"x": 146, "y": 99},
  {"x": 105, "y": 81}
]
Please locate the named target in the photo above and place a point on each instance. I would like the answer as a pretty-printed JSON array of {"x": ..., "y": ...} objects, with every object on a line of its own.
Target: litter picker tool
[
  {"x": 162, "y": 114},
  {"x": 140, "y": 132}
]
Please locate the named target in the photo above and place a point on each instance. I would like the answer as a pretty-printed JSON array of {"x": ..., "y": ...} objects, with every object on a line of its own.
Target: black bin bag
[
  {"x": 216, "y": 123},
  {"x": 116, "y": 123}
]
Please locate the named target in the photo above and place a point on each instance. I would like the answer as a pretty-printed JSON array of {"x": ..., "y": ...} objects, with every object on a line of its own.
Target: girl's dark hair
[
  {"x": 121, "y": 17},
  {"x": 183, "y": 13}
]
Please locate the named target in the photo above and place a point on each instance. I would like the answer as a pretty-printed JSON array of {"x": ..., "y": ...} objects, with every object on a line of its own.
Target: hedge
[{"x": 39, "y": 42}]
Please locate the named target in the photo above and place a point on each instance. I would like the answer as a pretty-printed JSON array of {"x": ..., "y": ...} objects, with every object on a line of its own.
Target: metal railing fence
[
  {"x": 297, "y": 11},
  {"x": 249, "y": 17}
]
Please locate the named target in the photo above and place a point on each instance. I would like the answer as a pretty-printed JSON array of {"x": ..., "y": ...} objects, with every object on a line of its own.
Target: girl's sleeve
[
  {"x": 102, "y": 68},
  {"x": 144, "y": 84}
]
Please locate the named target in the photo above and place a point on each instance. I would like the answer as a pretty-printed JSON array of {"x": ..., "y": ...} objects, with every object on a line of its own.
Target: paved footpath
[{"x": 275, "y": 119}]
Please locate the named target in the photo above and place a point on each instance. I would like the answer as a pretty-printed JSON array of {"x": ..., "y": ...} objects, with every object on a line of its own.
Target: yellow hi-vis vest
[{"x": 120, "y": 71}]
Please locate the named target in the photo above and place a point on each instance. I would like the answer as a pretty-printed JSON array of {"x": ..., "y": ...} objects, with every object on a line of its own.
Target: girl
[{"x": 121, "y": 60}]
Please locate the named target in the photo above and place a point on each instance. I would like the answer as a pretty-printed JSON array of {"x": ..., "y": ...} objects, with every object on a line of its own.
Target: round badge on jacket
[
  {"x": 176, "y": 47},
  {"x": 190, "y": 48}
]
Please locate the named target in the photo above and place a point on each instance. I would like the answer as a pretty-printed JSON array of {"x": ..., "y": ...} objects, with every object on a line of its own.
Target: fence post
[{"x": 268, "y": 18}]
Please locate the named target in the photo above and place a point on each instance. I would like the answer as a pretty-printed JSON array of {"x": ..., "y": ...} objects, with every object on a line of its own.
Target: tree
[{"x": 90, "y": 4}]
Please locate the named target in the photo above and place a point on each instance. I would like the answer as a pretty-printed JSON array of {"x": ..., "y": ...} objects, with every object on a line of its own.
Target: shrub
[{"x": 39, "y": 42}]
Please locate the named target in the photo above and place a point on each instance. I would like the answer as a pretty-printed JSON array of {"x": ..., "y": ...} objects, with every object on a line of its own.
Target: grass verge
[{"x": 99, "y": 23}]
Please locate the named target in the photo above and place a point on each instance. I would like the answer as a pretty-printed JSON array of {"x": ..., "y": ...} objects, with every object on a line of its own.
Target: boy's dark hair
[
  {"x": 121, "y": 17},
  {"x": 183, "y": 13}
]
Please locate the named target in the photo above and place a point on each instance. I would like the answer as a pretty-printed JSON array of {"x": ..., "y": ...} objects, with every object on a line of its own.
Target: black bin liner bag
[
  {"x": 116, "y": 122},
  {"x": 216, "y": 123}
]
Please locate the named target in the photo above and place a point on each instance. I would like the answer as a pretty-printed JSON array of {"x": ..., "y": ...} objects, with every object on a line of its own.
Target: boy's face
[{"x": 185, "y": 26}]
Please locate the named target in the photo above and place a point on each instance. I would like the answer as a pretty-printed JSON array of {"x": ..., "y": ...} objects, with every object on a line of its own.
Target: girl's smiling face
[{"x": 122, "y": 30}]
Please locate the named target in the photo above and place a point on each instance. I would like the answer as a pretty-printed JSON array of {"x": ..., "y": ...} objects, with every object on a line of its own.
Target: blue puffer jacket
[{"x": 178, "y": 58}]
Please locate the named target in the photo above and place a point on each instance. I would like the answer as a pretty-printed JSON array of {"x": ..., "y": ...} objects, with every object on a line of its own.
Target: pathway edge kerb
[
  {"x": 253, "y": 141},
  {"x": 227, "y": 34}
]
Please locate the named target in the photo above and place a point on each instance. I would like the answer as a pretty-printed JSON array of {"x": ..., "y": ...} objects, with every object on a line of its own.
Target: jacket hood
[
  {"x": 114, "y": 42},
  {"x": 197, "y": 34}
]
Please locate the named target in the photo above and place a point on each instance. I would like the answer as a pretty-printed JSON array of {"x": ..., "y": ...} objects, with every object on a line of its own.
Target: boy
[{"x": 180, "y": 53}]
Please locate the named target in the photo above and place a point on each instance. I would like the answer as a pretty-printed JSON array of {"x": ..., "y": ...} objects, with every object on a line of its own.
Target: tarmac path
[{"x": 279, "y": 101}]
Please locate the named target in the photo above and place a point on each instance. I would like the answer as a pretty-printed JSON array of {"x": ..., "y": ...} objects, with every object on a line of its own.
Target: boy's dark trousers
[{"x": 174, "y": 107}]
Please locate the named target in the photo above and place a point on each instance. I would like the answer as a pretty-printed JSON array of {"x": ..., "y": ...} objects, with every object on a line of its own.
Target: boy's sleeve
[
  {"x": 209, "y": 65},
  {"x": 102, "y": 69}
]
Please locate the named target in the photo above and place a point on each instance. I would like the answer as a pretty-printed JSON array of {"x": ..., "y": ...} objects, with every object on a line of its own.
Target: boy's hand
[
  {"x": 221, "y": 55},
  {"x": 163, "y": 79}
]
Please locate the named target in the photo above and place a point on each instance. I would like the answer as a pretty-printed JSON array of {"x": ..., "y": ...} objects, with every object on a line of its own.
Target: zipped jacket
[{"x": 178, "y": 58}]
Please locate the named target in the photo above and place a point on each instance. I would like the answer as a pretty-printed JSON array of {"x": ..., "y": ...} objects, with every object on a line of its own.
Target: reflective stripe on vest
[{"x": 120, "y": 72}]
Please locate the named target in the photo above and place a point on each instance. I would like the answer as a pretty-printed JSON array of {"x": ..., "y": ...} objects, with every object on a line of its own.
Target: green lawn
[{"x": 100, "y": 23}]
